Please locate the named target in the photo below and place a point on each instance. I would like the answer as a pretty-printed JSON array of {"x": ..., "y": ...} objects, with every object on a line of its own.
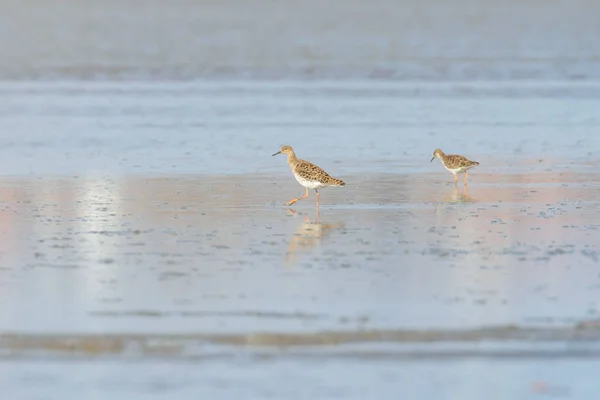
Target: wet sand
[{"x": 384, "y": 252}]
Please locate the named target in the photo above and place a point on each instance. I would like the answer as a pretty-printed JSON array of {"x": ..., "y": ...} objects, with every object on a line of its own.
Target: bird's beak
[
  {"x": 279, "y": 152},
  {"x": 432, "y": 158}
]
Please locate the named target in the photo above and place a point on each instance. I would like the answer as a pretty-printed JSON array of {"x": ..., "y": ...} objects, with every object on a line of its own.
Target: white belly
[
  {"x": 458, "y": 170},
  {"x": 308, "y": 183}
]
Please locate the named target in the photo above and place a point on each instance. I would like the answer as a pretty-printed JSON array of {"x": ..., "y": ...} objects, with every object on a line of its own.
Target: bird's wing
[
  {"x": 310, "y": 171},
  {"x": 456, "y": 161}
]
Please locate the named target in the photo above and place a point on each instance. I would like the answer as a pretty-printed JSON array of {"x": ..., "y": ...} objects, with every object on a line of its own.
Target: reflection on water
[
  {"x": 459, "y": 196},
  {"x": 194, "y": 268},
  {"x": 199, "y": 251},
  {"x": 309, "y": 235}
]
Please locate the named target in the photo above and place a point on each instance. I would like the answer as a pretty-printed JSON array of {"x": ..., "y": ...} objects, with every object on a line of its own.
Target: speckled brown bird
[
  {"x": 307, "y": 174},
  {"x": 454, "y": 163}
]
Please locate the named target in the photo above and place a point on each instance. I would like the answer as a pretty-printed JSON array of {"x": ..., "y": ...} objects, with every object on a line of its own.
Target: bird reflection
[
  {"x": 458, "y": 196},
  {"x": 309, "y": 235}
]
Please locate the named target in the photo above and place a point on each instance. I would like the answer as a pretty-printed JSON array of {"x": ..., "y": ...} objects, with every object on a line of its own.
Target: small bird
[
  {"x": 308, "y": 175},
  {"x": 454, "y": 163}
]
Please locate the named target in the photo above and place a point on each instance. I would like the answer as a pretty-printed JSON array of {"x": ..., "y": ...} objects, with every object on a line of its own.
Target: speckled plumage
[
  {"x": 307, "y": 174},
  {"x": 455, "y": 163}
]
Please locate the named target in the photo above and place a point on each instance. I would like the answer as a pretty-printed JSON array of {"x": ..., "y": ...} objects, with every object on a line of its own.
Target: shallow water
[
  {"x": 147, "y": 252},
  {"x": 349, "y": 127},
  {"x": 251, "y": 378},
  {"x": 390, "y": 250}
]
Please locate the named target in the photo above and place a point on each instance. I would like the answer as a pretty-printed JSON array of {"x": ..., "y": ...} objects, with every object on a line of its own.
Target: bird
[
  {"x": 455, "y": 163},
  {"x": 308, "y": 175}
]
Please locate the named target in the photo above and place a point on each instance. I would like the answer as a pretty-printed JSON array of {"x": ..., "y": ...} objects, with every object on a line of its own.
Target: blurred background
[{"x": 268, "y": 39}]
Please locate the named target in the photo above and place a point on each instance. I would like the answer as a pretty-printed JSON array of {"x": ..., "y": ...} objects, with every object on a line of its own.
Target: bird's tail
[
  {"x": 335, "y": 182},
  {"x": 474, "y": 162}
]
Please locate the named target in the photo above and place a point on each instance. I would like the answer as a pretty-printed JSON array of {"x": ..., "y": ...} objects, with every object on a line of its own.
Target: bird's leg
[
  {"x": 289, "y": 203},
  {"x": 455, "y": 178},
  {"x": 316, "y": 191},
  {"x": 466, "y": 176}
]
